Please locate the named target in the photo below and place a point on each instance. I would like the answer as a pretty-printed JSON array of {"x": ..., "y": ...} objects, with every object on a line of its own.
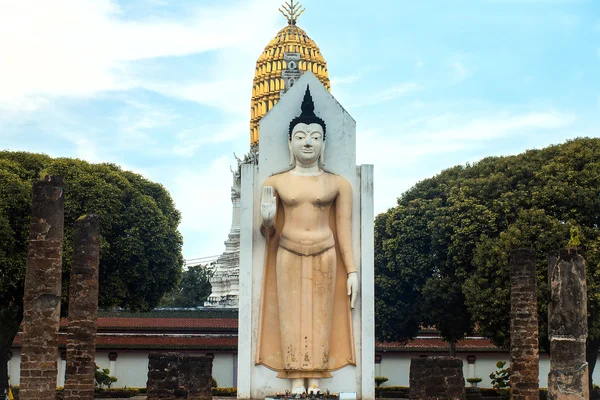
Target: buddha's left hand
[{"x": 352, "y": 285}]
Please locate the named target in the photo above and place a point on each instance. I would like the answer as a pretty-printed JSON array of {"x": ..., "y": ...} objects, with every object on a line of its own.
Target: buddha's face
[{"x": 306, "y": 143}]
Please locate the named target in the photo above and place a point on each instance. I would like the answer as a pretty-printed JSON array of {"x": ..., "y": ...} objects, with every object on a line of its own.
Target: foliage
[
  {"x": 380, "y": 380},
  {"x": 475, "y": 379},
  {"x": 392, "y": 392},
  {"x": 121, "y": 393},
  {"x": 224, "y": 392},
  {"x": 501, "y": 377},
  {"x": 102, "y": 377},
  {"x": 192, "y": 291},
  {"x": 140, "y": 249},
  {"x": 441, "y": 255},
  {"x": 214, "y": 383}
]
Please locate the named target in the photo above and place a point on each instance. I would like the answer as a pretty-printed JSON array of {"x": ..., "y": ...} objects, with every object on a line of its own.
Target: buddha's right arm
[{"x": 268, "y": 208}]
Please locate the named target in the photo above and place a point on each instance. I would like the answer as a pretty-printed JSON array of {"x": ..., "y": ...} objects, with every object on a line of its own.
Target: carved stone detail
[{"x": 567, "y": 327}]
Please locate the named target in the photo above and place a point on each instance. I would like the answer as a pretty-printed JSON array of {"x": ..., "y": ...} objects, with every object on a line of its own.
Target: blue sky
[{"x": 163, "y": 87}]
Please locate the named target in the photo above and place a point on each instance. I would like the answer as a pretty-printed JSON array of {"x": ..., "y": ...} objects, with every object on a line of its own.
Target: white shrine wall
[{"x": 274, "y": 157}]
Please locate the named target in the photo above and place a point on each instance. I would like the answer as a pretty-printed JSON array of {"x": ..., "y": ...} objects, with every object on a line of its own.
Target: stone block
[
  {"x": 434, "y": 378},
  {"x": 179, "y": 376}
]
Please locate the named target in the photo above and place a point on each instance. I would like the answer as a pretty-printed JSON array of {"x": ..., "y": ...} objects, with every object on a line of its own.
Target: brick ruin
[
  {"x": 437, "y": 378},
  {"x": 83, "y": 309},
  {"x": 179, "y": 376},
  {"x": 567, "y": 327},
  {"x": 41, "y": 316},
  {"x": 524, "y": 335}
]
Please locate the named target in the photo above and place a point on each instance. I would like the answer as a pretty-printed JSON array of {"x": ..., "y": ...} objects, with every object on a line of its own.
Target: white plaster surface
[
  {"x": 395, "y": 366},
  {"x": 340, "y": 158},
  {"x": 367, "y": 262},
  {"x": 245, "y": 360}
]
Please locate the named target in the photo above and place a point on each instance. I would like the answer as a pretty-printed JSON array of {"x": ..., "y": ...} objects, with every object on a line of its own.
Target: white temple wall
[
  {"x": 340, "y": 158},
  {"x": 132, "y": 367},
  {"x": 396, "y": 367}
]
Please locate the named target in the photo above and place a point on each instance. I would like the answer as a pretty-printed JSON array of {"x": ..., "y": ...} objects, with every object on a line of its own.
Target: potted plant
[
  {"x": 380, "y": 379},
  {"x": 474, "y": 381}
]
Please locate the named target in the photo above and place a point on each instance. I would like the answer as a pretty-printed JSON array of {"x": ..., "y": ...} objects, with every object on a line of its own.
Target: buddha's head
[{"x": 306, "y": 135}]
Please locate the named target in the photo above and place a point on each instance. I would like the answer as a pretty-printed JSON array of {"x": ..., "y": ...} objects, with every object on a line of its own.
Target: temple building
[
  {"x": 125, "y": 340},
  {"x": 283, "y": 61}
]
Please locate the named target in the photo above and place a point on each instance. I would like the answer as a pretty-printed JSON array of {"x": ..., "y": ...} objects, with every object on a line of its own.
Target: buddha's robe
[{"x": 305, "y": 328}]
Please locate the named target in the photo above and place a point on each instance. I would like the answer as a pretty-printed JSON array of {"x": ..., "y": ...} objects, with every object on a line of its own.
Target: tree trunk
[
  {"x": 452, "y": 349},
  {"x": 10, "y": 321},
  {"x": 591, "y": 355}
]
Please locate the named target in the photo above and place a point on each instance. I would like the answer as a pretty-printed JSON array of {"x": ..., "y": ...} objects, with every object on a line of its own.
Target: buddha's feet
[
  {"x": 298, "y": 390},
  {"x": 314, "y": 390}
]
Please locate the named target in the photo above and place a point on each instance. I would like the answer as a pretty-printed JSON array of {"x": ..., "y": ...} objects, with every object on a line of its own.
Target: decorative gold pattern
[{"x": 268, "y": 82}]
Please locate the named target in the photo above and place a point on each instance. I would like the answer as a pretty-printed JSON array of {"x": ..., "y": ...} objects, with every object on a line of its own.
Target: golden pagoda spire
[
  {"x": 292, "y": 11},
  {"x": 289, "y": 54}
]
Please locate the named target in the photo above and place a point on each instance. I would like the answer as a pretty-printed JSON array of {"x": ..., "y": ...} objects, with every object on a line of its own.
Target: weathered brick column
[
  {"x": 436, "y": 378},
  {"x": 41, "y": 302},
  {"x": 179, "y": 376},
  {"x": 83, "y": 308},
  {"x": 524, "y": 337},
  {"x": 567, "y": 328}
]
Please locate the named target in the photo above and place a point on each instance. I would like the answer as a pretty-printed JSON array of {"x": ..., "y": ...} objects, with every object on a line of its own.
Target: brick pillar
[
  {"x": 567, "y": 328},
  {"x": 199, "y": 377},
  {"x": 41, "y": 301},
  {"x": 524, "y": 353},
  {"x": 83, "y": 307},
  {"x": 436, "y": 378},
  {"x": 179, "y": 376}
]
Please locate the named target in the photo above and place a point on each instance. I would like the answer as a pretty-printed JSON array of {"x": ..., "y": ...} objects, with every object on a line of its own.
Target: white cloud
[
  {"x": 344, "y": 80},
  {"x": 190, "y": 140},
  {"x": 231, "y": 95},
  {"x": 461, "y": 67},
  {"x": 135, "y": 127},
  {"x": 81, "y": 47},
  {"x": 542, "y": 2},
  {"x": 402, "y": 155},
  {"x": 385, "y": 95},
  {"x": 199, "y": 195}
]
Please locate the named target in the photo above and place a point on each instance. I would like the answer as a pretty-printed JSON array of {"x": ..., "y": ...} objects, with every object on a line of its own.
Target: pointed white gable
[{"x": 340, "y": 149}]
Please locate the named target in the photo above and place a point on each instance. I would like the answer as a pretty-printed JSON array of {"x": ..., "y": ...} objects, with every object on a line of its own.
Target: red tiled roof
[
  {"x": 173, "y": 323},
  {"x": 210, "y": 329},
  {"x": 129, "y": 323},
  {"x": 118, "y": 341}
]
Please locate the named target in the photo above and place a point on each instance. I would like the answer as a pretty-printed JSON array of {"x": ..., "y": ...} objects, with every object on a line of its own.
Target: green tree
[
  {"x": 443, "y": 251},
  {"x": 193, "y": 289},
  {"x": 140, "y": 249},
  {"x": 102, "y": 378}
]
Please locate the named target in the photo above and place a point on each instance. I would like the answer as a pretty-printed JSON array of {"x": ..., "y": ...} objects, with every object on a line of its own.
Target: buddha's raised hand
[{"x": 268, "y": 206}]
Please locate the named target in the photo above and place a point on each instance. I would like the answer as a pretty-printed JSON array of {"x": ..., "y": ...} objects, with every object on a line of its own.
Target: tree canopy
[
  {"x": 193, "y": 289},
  {"x": 441, "y": 254},
  {"x": 140, "y": 249}
]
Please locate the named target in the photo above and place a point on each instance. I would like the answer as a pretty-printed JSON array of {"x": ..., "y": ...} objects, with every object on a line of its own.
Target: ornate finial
[
  {"x": 308, "y": 106},
  {"x": 307, "y": 116},
  {"x": 292, "y": 11}
]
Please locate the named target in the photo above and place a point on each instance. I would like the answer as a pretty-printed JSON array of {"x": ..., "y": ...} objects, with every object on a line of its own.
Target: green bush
[
  {"x": 102, "y": 377},
  {"x": 225, "y": 392},
  {"x": 380, "y": 379},
  {"x": 392, "y": 392},
  {"x": 501, "y": 377}
]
